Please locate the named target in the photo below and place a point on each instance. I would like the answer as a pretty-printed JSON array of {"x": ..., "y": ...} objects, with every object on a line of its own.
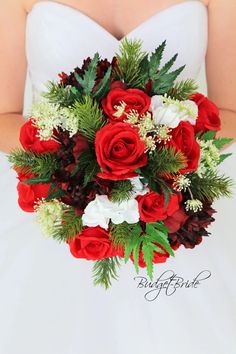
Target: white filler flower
[
  {"x": 171, "y": 112},
  {"x": 101, "y": 210}
]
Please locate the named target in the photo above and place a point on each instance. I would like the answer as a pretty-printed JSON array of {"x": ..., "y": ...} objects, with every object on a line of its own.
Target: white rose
[
  {"x": 172, "y": 112},
  {"x": 93, "y": 216},
  {"x": 101, "y": 210}
]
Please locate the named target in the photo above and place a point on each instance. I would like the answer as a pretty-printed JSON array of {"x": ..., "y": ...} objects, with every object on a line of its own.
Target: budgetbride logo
[{"x": 168, "y": 283}]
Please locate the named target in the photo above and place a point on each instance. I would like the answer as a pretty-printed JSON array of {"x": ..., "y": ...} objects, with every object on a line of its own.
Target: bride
[{"x": 48, "y": 304}]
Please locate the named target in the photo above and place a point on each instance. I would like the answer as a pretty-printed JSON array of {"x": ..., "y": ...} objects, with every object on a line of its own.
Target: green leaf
[
  {"x": 165, "y": 82},
  {"x": 148, "y": 253},
  {"x": 167, "y": 66},
  {"x": 103, "y": 86},
  {"x": 36, "y": 180},
  {"x": 155, "y": 59},
  {"x": 55, "y": 195},
  {"x": 223, "y": 157},
  {"x": 158, "y": 236},
  {"x": 134, "y": 240},
  {"x": 209, "y": 135},
  {"x": 221, "y": 142},
  {"x": 89, "y": 77}
]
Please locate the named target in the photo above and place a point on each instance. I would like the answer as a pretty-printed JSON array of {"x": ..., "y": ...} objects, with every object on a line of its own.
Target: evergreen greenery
[
  {"x": 211, "y": 186},
  {"x": 69, "y": 227},
  {"x": 120, "y": 232},
  {"x": 58, "y": 94},
  {"x": 182, "y": 90},
  {"x": 90, "y": 117},
  {"x": 89, "y": 77},
  {"x": 121, "y": 191},
  {"x": 165, "y": 161},
  {"x": 105, "y": 270},
  {"x": 129, "y": 60},
  {"x": 31, "y": 162}
]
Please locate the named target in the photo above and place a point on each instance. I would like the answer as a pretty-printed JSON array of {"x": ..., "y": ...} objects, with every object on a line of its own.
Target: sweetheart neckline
[{"x": 96, "y": 24}]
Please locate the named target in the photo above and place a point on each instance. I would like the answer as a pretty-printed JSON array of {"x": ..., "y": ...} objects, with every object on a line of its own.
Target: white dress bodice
[{"x": 59, "y": 37}]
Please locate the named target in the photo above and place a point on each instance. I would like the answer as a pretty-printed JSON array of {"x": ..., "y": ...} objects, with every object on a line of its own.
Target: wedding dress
[{"x": 48, "y": 304}]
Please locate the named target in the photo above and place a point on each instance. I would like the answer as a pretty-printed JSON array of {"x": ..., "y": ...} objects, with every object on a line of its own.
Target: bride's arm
[
  {"x": 221, "y": 62},
  {"x": 12, "y": 72}
]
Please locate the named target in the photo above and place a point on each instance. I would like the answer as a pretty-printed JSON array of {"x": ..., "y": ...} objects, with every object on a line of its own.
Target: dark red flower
[{"x": 175, "y": 221}]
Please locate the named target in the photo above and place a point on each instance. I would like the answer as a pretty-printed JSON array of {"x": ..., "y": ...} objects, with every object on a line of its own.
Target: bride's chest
[
  {"x": 117, "y": 17},
  {"x": 59, "y": 37}
]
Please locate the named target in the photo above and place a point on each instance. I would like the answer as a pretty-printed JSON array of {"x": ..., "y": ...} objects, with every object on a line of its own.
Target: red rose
[
  {"x": 119, "y": 151},
  {"x": 30, "y": 141},
  {"x": 28, "y": 194},
  {"x": 208, "y": 114},
  {"x": 183, "y": 138},
  {"x": 176, "y": 221},
  {"x": 93, "y": 243},
  {"x": 133, "y": 98},
  {"x": 151, "y": 206},
  {"x": 158, "y": 257}
]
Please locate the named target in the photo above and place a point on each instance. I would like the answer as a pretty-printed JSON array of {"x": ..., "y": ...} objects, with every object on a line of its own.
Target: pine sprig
[
  {"x": 165, "y": 161},
  {"x": 104, "y": 270},
  {"x": 211, "y": 186},
  {"x": 30, "y": 162},
  {"x": 90, "y": 117},
  {"x": 122, "y": 190},
  {"x": 58, "y": 94},
  {"x": 129, "y": 62},
  {"x": 183, "y": 89},
  {"x": 119, "y": 233},
  {"x": 69, "y": 227}
]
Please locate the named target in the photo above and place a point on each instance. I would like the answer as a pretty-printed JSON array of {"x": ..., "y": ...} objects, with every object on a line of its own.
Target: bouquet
[{"x": 119, "y": 161}]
